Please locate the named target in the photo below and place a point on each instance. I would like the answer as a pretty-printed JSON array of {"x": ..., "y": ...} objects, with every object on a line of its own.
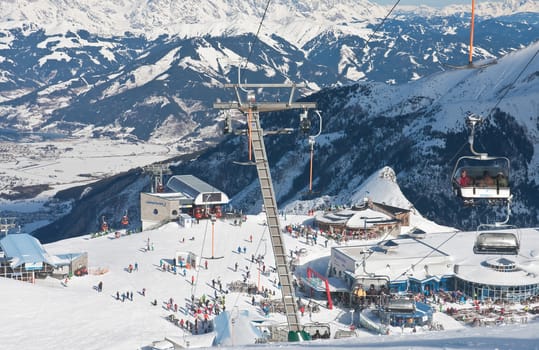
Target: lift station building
[{"x": 183, "y": 194}]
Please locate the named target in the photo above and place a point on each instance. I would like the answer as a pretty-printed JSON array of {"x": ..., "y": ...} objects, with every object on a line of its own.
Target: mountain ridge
[
  {"x": 199, "y": 18},
  {"x": 129, "y": 87}
]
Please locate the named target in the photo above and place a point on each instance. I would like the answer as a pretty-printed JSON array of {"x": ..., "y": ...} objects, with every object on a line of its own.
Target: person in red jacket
[{"x": 465, "y": 180}]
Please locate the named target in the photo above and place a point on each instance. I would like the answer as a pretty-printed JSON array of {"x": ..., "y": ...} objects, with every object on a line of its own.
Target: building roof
[
  {"x": 391, "y": 209},
  {"x": 180, "y": 198},
  {"x": 24, "y": 249},
  {"x": 200, "y": 191},
  {"x": 450, "y": 254},
  {"x": 353, "y": 218},
  {"x": 189, "y": 184},
  {"x": 367, "y": 218}
]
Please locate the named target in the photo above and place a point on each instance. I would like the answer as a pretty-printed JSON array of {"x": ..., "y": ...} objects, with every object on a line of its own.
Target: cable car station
[{"x": 185, "y": 194}]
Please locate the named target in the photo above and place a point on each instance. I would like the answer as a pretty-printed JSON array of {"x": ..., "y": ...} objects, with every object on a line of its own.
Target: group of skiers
[{"x": 123, "y": 296}]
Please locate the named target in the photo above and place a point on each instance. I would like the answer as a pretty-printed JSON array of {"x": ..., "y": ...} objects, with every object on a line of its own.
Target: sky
[{"x": 55, "y": 315}]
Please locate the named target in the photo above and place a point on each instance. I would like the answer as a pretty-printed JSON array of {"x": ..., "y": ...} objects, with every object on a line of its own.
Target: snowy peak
[
  {"x": 496, "y": 8},
  {"x": 183, "y": 18},
  {"x": 296, "y": 20},
  {"x": 482, "y": 9},
  {"x": 381, "y": 187}
]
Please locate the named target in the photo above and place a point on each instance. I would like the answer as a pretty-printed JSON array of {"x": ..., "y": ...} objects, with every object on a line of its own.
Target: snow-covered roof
[
  {"x": 451, "y": 253},
  {"x": 24, "y": 249},
  {"x": 366, "y": 218},
  {"x": 353, "y": 218},
  {"x": 200, "y": 191}
]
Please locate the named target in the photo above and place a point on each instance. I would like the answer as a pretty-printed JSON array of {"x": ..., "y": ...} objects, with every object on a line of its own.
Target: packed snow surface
[{"x": 57, "y": 315}]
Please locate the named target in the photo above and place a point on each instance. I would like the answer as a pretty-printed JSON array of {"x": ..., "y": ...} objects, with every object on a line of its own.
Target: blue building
[
  {"x": 23, "y": 257},
  {"x": 441, "y": 261}
]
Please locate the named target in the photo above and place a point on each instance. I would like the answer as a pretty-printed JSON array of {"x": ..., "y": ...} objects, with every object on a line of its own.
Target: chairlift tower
[
  {"x": 253, "y": 109},
  {"x": 156, "y": 172},
  {"x": 6, "y": 224}
]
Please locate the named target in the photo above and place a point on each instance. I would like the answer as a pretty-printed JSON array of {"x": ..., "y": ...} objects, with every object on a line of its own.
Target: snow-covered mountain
[
  {"x": 290, "y": 19},
  {"x": 418, "y": 129},
  {"x": 151, "y": 70}
]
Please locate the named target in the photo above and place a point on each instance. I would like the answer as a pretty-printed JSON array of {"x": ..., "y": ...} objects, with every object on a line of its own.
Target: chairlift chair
[
  {"x": 497, "y": 240},
  {"x": 488, "y": 178},
  {"x": 104, "y": 225},
  {"x": 480, "y": 176},
  {"x": 125, "y": 219}
]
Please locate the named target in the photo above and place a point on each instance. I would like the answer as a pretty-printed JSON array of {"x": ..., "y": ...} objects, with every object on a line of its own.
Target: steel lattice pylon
[{"x": 256, "y": 139}]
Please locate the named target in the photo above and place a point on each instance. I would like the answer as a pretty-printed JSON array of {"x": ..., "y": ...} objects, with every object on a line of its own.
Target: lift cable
[
  {"x": 251, "y": 49},
  {"x": 198, "y": 267},
  {"x": 513, "y": 83},
  {"x": 381, "y": 23},
  {"x": 249, "y": 268},
  {"x": 257, "y": 33},
  {"x": 427, "y": 255}
]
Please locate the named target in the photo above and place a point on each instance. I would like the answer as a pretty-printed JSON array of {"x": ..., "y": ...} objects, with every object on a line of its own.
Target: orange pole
[
  {"x": 471, "y": 33},
  {"x": 249, "y": 127},
  {"x": 212, "y": 232},
  {"x": 311, "y": 173}
]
